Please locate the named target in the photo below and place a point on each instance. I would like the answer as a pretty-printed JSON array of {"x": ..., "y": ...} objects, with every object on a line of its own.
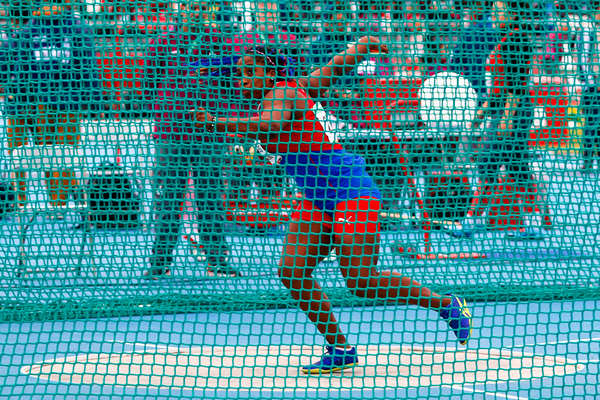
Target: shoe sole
[{"x": 317, "y": 371}]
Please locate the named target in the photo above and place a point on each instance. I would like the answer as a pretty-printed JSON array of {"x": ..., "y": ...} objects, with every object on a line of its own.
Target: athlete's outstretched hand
[{"x": 373, "y": 44}]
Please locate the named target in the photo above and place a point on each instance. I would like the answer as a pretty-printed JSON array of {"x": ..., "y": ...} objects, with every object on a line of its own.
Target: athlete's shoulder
[{"x": 280, "y": 92}]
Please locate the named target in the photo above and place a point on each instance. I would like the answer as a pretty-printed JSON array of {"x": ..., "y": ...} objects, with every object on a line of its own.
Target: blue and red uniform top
[{"x": 322, "y": 169}]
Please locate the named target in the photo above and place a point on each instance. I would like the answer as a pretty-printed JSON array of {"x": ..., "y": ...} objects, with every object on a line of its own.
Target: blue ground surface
[{"x": 568, "y": 329}]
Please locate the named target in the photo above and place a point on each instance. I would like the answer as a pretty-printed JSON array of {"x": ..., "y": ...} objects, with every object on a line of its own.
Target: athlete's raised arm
[
  {"x": 275, "y": 115},
  {"x": 322, "y": 78}
]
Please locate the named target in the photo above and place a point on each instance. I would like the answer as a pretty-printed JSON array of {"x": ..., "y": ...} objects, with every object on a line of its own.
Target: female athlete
[{"x": 341, "y": 201}]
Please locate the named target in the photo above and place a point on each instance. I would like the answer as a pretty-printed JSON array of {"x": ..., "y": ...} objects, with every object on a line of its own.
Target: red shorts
[{"x": 359, "y": 215}]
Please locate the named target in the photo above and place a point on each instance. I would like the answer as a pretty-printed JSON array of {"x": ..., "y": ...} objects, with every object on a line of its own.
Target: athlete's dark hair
[{"x": 273, "y": 60}]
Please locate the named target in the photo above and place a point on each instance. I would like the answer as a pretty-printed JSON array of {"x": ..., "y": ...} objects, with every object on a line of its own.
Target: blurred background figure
[
  {"x": 176, "y": 88},
  {"x": 52, "y": 87},
  {"x": 590, "y": 105},
  {"x": 336, "y": 31},
  {"x": 583, "y": 73},
  {"x": 441, "y": 24},
  {"x": 474, "y": 46},
  {"x": 510, "y": 109}
]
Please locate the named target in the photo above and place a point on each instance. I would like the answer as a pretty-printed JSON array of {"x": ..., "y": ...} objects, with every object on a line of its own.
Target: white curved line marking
[{"x": 277, "y": 367}]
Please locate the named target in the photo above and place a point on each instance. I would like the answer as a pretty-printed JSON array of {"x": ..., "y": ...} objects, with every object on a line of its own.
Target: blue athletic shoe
[
  {"x": 334, "y": 360},
  {"x": 458, "y": 317}
]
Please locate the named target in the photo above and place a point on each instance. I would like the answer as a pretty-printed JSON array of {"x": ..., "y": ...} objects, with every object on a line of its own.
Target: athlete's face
[{"x": 255, "y": 79}]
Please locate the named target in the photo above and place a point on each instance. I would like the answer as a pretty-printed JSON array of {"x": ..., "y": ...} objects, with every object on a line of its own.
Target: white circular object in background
[{"x": 448, "y": 101}]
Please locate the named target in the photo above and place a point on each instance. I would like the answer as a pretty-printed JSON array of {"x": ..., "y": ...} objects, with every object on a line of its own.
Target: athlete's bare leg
[
  {"x": 306, "y": 245},
  {"x": 359, "y": 254}
]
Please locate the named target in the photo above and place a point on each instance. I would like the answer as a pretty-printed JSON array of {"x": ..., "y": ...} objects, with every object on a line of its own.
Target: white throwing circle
[{"x": 277, "y": 368}]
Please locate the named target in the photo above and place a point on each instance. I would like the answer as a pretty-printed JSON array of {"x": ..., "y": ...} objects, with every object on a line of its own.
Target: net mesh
[{"x": 157, "y": 158}]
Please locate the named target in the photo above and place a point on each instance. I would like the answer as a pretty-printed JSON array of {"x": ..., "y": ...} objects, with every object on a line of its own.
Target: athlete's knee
[
  {"x": 290, "y": 274},
  {"x": 285, "y": 274}
]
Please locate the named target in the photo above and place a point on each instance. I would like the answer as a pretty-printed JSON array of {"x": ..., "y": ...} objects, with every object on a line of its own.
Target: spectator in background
[
  {"x": 469, "y": 56},
  {"x": 376, "y": 18},
  {"x": 113, "y": 16},
  {"x": 49, "y": 72},
  {"x": 336, "y": 17},
  {"x": 511, "y": 111},
  {"x": 556, "y": 38},
  {"x": 16, "y": 109},
  {"x": 590, "y": 107},
  {"x": 588, "y": 71},
  {"x": 181, "y": 148},
  {"x": 473, "y": 47},
  {"x": 335, "y": 35},
  {"x": 412, "y": 28},
  {"x": 440, "y": 24}
]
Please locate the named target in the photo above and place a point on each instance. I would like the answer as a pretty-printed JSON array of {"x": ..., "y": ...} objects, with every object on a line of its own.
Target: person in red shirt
[
  {"x": 510, "y": 110},
  {"x": 341, "y": 205}
]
